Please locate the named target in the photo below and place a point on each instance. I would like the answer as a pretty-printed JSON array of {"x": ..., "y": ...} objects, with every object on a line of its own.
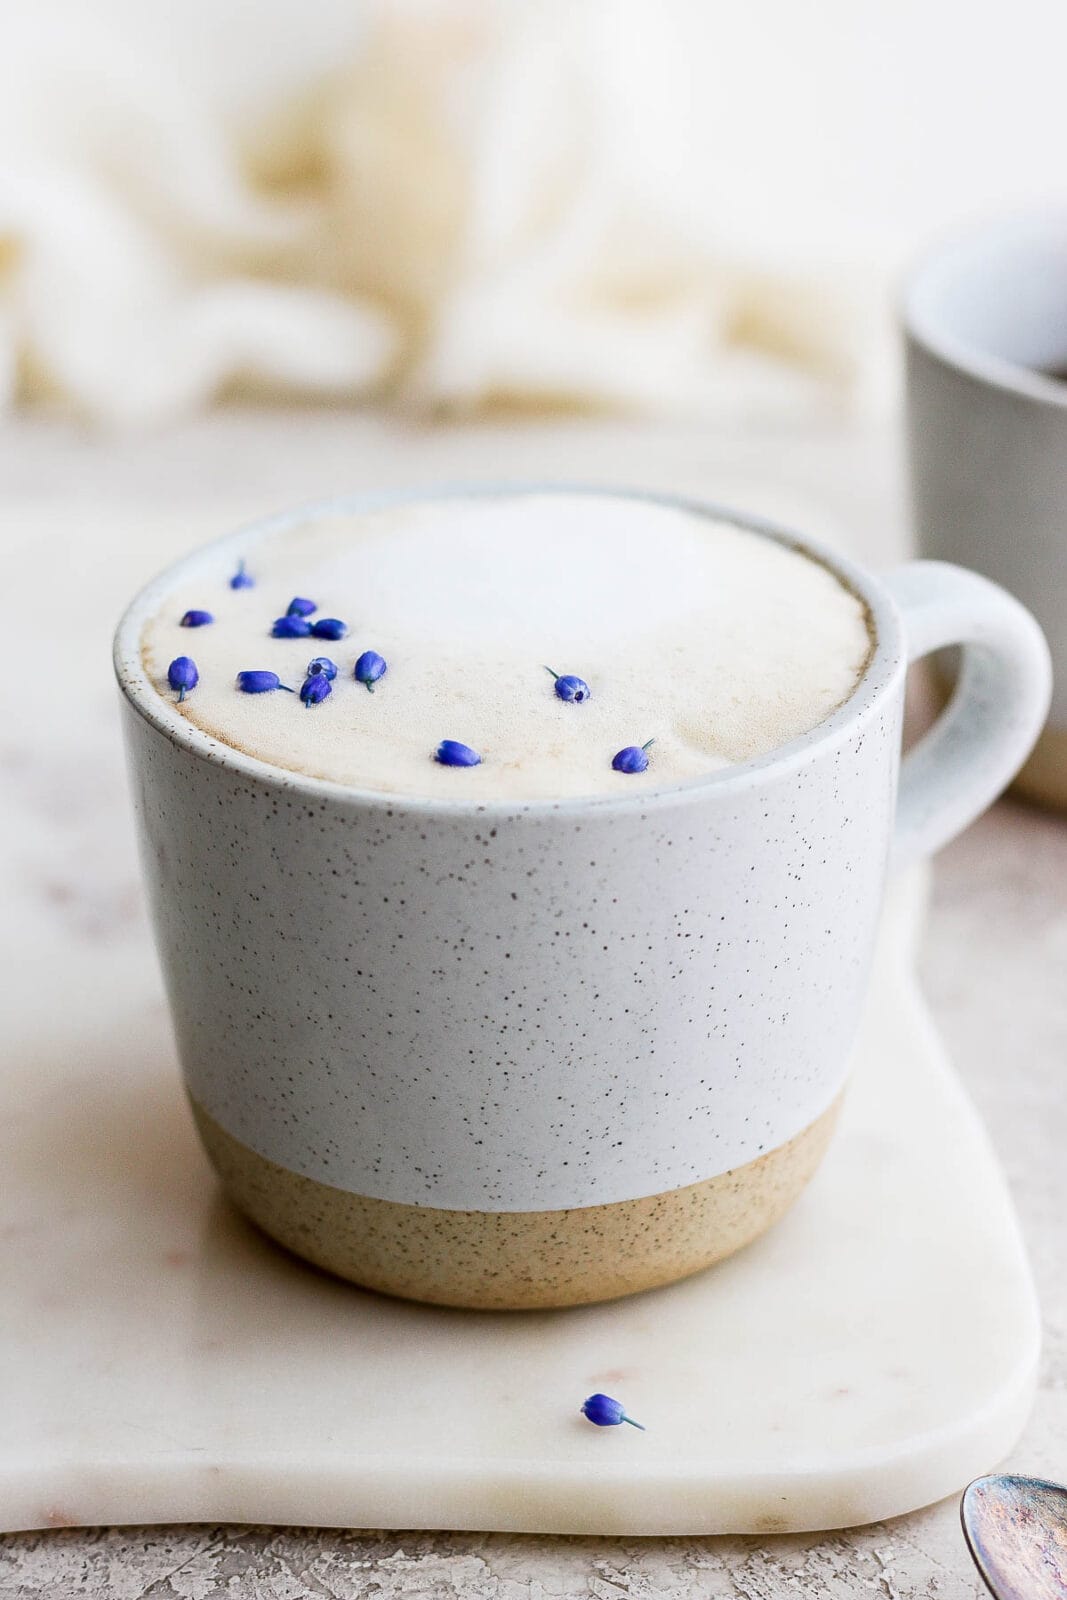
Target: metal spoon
[{"x": 1016, "y": 1530}]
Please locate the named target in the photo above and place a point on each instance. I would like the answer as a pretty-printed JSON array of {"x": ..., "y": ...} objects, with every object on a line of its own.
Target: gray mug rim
[
  {"x": 884, "y": 670},
  {"x": 996, "y": 372}
]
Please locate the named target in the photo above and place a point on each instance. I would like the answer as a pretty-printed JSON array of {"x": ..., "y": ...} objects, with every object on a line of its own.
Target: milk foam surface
[{"x": 715, "y": 642}]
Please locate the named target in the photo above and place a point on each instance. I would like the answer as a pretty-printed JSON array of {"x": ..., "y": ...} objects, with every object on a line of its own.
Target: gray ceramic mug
[
  {"x": 508, "y": 1055},
  {"x": 985, "y": 323}
]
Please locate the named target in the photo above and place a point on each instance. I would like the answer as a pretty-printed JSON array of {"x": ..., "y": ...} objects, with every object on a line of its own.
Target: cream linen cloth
[{"x": 449, "y": 202}]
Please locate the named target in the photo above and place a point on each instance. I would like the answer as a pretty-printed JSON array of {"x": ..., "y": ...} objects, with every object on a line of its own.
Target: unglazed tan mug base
[{"x": 516, "y": 1260}]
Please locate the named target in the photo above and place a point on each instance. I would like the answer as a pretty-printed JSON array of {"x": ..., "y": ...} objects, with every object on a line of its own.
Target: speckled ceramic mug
[
  {"x": 985, "y": 322},
  {"x": 534, "y": 1054}
]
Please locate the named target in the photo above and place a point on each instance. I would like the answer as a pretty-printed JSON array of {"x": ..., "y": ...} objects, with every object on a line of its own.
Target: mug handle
[{"x": 997, "y": 709}]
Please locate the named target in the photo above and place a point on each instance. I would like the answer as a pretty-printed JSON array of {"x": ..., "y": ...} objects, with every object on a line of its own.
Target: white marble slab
[{"x": 162, "y": 1362}]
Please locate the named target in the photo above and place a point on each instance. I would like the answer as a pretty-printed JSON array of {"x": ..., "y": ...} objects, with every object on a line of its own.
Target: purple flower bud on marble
[
  {"x": 570, "y": 688},
  {"x": 329, "y": 628},
  {"x": 290, "y": 628},
  {"x": 241, "y": 579},
  {"x": 300, "y": 608},
  {"x": 182, "y": 676},
  {"x": 254, "y": 682},
  {"x": 450, "y": 753},
  {"x": 606, "y": 1412},
  {"x": 314, "y": 690},
  {"x": 369, "y": 668},
  {"x": 633, "y": 758},
  {"x": 197, "y": 619},
  {"x": 322, "y": 666}
]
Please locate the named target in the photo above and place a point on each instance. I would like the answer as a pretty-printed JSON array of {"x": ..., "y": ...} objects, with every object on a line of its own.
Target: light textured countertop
[{"x": 84, "y": 521}]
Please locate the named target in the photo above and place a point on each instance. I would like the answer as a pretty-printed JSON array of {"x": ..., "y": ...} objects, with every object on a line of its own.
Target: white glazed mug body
[{"x": 535, "y": 1054}]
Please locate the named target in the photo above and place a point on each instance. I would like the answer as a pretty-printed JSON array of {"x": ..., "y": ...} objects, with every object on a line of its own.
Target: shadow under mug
[
  {"x": 512, "y": 1055},
  {"x": 985, "y": 326}
]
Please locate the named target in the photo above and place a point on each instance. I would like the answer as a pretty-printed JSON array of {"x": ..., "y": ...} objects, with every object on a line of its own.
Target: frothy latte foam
[{"x": 717, "y": 643}]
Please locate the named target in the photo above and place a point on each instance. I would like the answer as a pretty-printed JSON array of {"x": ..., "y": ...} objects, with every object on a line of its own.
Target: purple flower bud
[
  {"x": 323, "y": 665},
  {"x": 197, "y": 619},
  {"x": 606, "y": 1412},
  {"x": 182, "y": 676},
  {"x": 369, "y": 668},
  {"x": 633, "y": 758},
  {"x": 569, "y": 687},
  {"x": 329, "y": 628},
  {"x": 241, "y": 579},
  {"x": 301, "y": 608},
  {"x": 314, "y": 690},
  {"x": 290, "y": 628},
  {"x": 261, "y": 683},
  {"x": 450, "y": 753}
]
